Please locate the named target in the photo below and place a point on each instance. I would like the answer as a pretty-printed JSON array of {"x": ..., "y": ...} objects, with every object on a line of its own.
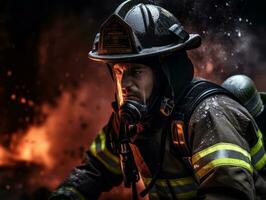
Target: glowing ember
[
  {"x": 9, "y": 73},
  {"x": 13, "y": 97},
  {"x": 209, "y": 67},
  {"x": 30, "y": 103},
  {"x": 23, "y": 100}
]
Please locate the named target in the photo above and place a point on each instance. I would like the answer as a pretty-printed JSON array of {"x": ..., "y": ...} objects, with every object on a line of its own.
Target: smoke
[{"x": 231, "y": 43}]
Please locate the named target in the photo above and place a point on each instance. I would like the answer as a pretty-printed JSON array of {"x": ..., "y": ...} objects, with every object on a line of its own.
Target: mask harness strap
[
  {"x": 128, "y": 165},
  {"x": 130, "y": 114}
]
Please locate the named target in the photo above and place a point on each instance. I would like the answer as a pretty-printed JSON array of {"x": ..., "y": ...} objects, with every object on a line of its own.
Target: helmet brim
[{"x": 192, "y": 42}]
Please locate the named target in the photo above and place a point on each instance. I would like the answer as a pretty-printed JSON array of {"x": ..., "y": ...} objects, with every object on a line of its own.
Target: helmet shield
[{"x": 116, "y": 37}]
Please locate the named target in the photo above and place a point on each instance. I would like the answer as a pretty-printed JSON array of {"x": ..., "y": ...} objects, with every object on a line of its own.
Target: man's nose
[{"x": 126, "y": 81}]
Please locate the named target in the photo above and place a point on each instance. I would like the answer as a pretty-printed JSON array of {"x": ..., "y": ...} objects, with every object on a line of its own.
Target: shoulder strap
[
  {"x": 199, "y": 91},
  {"x": 194, "y": 94}
]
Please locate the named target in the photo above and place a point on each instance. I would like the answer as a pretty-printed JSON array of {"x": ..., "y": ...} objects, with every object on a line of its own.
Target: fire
[
  {"x": 5, "y": 156},
  {"x": 32, "y": 146},
  {"x": 66, "y": 131},
  {"x": 35, "y": 146}
]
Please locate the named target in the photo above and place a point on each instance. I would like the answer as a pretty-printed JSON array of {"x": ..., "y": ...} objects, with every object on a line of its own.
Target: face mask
[{"x": 132, "y": 112}]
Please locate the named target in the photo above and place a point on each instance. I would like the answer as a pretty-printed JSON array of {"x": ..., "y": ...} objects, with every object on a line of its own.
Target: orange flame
[
  {"x": 5, "y": 156},
  {"x": 35, "y": 146}
]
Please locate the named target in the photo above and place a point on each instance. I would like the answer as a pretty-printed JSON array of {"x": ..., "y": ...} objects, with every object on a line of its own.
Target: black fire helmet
[{"x": 140, "y": 30}]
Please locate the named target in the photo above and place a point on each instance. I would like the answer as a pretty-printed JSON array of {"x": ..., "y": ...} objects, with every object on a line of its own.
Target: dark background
[{"x": 49, "y": 89}]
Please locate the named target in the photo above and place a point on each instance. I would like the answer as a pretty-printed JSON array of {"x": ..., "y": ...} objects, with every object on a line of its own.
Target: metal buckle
[{"x": 167, "y": 106}]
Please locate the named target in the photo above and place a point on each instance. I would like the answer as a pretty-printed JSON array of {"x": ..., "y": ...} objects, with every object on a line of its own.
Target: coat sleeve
[
  {"x": 99, "y": 172},
  {"x": 221, "y": 157}
]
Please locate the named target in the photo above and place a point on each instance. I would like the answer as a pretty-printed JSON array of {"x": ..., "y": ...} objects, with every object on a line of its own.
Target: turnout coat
[{"x": 227, "y": 158}]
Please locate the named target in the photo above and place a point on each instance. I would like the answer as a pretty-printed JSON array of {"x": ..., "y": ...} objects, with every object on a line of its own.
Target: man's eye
[{"x": 136, "y": 72}]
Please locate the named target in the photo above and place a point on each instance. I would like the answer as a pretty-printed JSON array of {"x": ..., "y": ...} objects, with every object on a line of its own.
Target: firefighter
[{"x": 180, "y": 148}]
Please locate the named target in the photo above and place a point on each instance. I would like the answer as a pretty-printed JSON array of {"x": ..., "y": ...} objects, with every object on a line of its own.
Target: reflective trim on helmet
[
  {"x": 220, "y": 154},
  {"x": 100, "y": 151},
  {"x": 184, "y": 188},
  {"x": 257, "y": 152}
]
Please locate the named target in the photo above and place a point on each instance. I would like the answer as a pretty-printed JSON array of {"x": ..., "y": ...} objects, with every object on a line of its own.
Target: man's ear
[{"x": 179, "y": 71}]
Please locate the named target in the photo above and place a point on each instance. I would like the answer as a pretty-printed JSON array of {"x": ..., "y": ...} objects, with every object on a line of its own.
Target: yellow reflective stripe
[
  {"x": 261, "y": 163},
  {"x": 102, "y": 139},
  {"x": 187, "y": 195},
  {"x": 112, "y": 169},
  {"x": 223, "y": 161},
  {"x": 106, "y": 152},
  {"x": 219, "y": 146},
  {"x": 185, "y": 188},
  {"x": 146, "y": 180},
  {"x": 93, "y": 147},
  {"x": 258, "y": 145},
  {"x": 182, "y": 181},
  {"x": 259, "y": 133},
  {"x": 110, "y": 155},
  {"x": 174, "y": 182},
  {"x": 183, "y": 195}
]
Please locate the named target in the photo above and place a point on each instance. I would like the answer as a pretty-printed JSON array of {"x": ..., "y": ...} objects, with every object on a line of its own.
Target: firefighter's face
[{"x": 134, "y": 81}]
